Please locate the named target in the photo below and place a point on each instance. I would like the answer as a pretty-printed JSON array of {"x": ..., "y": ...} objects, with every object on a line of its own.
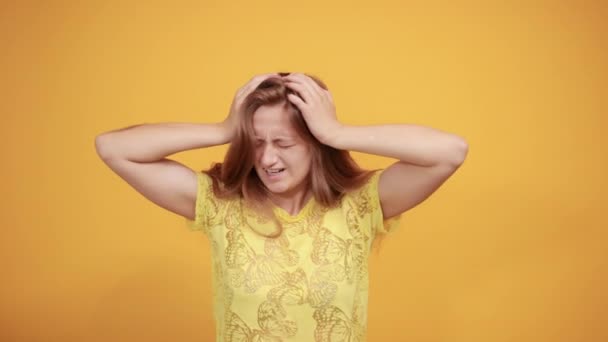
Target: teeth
[{"x": 274, "y": 171}]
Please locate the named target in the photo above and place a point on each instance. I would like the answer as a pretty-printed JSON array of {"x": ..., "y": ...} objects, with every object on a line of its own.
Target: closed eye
[{"x": 260, "y": 143}]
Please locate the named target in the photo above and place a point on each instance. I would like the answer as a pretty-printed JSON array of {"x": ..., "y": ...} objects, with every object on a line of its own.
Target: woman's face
[{"x": 282, "y": 158}]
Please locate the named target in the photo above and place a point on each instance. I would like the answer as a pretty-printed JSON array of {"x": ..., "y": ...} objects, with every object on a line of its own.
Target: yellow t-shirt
[{"x": 309, "y": 284}]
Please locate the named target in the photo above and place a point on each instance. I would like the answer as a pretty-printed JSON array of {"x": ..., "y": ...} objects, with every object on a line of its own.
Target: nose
[{"x": 268, "y": 156}]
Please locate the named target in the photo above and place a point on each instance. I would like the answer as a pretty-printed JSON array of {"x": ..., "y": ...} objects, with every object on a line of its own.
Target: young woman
[{"x": 289, "y": 215}]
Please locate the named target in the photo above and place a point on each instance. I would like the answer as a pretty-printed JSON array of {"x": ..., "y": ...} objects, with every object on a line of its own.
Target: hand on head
[
  {"x": 231, "y": 121},
  {"x": 316, "y": 105},
  {"x": 314, "y": 102}
]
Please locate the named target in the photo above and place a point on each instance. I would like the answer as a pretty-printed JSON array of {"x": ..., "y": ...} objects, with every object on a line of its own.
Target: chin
[{"x": 277, "y": 188}]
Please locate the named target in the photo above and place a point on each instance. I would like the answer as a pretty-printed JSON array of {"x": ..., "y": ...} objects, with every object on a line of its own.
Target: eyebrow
[{"x": 276, "y": 138}]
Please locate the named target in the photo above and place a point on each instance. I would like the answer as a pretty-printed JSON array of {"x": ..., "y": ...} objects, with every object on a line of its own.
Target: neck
[{"x": 292, "y": 202}]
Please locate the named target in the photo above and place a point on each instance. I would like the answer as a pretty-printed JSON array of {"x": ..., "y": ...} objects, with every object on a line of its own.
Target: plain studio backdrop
[{"x": 512, "y": 248}]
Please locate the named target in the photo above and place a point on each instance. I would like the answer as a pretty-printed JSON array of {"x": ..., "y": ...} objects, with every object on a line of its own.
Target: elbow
[
  {"x": 458, "y": 152},
  {"x": 102, "y": 146}
]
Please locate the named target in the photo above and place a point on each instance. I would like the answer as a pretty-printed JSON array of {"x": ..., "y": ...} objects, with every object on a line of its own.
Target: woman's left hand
[{"x": 316, "y": 104}]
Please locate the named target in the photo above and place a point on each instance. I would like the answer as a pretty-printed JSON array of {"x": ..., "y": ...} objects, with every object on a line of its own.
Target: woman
[{"x": 290, "y": 216}]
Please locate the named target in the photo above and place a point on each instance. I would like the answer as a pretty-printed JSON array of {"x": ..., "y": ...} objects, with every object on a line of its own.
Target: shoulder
[
  {"x": 368, "y": 183},
  {"x": 208, "y": 205},
  {"x": 366, "y": 193}
]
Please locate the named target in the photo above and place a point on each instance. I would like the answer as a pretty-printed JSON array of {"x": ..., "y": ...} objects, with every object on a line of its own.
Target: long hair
[{"x": 332, "y": 174}]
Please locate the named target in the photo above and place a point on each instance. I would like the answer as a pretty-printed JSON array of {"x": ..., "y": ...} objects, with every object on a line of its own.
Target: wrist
[
  {"x": 332, "y": 136},
  {"x": 227, "y": 131}
]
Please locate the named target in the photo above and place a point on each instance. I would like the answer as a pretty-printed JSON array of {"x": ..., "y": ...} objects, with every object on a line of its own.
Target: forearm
[
  {"x": 420, "y": 145},
  {"x": 152, "y": 142}
]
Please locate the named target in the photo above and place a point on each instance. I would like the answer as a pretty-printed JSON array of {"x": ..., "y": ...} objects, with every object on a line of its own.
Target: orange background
[{"x": 512, "y": 248}]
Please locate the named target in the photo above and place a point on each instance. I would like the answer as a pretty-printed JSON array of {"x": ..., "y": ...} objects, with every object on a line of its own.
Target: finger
[
  {"x": 298, "y": 83},
  {"x": 259, "y": 79},
  {"x": 308, "y": 83},
  {"x": 297, "y": 101},
  {"x": 247, "y": 86},
  {"x": 254, "y": 82},
  {"x": 328, "y": 93},
  {"x": 299, "y": 88}
]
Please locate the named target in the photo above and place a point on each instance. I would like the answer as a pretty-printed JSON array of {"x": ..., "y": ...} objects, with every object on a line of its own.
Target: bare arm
[
  {"x": 152, "y": 142},
  {"x": 138, "y": 155},
  {"x": 427, "y": 156}
]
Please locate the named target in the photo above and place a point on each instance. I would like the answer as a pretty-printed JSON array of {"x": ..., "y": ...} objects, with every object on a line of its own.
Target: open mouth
[{"x": 274, "y": 171}]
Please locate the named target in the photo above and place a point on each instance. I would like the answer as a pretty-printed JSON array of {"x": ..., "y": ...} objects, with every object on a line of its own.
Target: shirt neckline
[{"x": 286, "y": 216}]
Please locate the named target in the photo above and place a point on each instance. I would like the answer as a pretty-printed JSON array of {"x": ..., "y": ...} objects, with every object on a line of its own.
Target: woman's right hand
[{"x": 231, "y": 122}]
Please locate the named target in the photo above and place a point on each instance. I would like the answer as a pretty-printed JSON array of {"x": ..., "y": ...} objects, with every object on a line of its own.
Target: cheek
[
  {"x": 257, "y": 153},
  {"x": 302, "y": 159}
]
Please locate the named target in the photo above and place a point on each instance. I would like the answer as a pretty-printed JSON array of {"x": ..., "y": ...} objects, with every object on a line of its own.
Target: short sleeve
[
  {"x": 204, "y": 199},
  {"x": 380, "y": 225}
]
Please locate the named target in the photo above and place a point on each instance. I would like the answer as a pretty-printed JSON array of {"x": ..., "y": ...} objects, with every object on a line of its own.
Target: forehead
[{"x": 272, "y": 120}]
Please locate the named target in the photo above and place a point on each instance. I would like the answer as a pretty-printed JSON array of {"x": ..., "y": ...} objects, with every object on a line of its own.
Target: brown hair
[{"x": 333, "y": 172}]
